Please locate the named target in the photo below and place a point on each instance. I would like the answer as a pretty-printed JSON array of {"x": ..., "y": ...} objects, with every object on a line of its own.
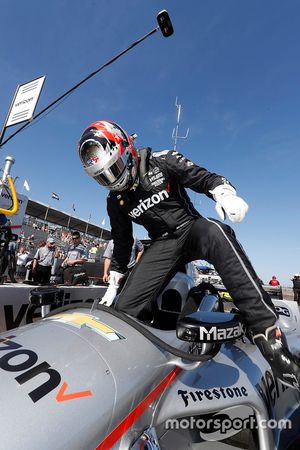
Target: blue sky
[{"x": 234, "y": 66}]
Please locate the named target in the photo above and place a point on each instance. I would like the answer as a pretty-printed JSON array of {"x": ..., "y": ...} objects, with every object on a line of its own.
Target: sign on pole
[{"x": 24, "y": 102}]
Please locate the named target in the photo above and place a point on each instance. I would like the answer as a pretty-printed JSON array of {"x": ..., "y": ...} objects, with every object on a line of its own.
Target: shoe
[{"x": 273, "y": 346}]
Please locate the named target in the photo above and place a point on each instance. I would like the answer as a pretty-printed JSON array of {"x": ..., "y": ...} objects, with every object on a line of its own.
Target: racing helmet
[{"x": 108, "y": 155}]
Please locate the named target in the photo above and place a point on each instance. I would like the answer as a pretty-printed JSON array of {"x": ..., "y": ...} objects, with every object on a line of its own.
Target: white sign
[
  {"x": 24, "y": 102},
  {"x": 14, "y": 220}
]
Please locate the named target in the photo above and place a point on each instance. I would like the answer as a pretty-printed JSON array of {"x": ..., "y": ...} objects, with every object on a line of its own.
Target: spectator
[
  {"x": 274, "y": 281},
  {"x": 31, "y": 243},
  {"x": 93, "y": 252},
  {"x": 43, "y": 261},
  {"x": 61, "y": 254},
  {"x": 22, "y": 258},
  {"x": 114, "y": 277},
  {"x": 296, "y": 287},
  {"x": 12, "y": 262},
  {"x": 74, "y": 272},
  {"x": 8, "y": 260}
]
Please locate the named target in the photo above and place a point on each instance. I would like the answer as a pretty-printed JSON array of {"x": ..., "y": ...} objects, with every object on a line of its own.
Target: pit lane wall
[{"x": 14, "y": 302}]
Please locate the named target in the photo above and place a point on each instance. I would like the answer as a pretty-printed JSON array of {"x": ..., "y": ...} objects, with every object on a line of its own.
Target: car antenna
[{"x": 175, "y": 135}]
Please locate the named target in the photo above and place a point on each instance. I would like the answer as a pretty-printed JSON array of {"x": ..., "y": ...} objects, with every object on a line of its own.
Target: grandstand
[
  {"x": 40, "y": 221},
  {"x": 59, "y": 225},
  {"x": 39, "y": 211}
]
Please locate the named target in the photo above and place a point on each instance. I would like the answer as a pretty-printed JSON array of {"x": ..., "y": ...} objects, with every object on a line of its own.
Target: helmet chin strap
[
  {"x": 136, "y": 182},
  {"x": 132, "y": 177},
  {"x": 128, "y": 185}
]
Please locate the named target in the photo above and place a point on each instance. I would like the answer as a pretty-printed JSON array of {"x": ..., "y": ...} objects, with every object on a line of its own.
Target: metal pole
[
  {"x": 4, "y": 126},
  {"x": 2, "y": 133},
  {"x": 177, "y": 124},
  {"x": 101, "y": 234},
  {"x": 47, "y": 211},
  {"x": 9, "y": 161},
  {"x": 69, "y": 220},
  {"x": 46, "y": 214},
  {"x": 59, "y": 99},
  {"x": 87, "y": 225},
  {"x": 175, "y": 135},
  {"x": 165, "y": 26}
]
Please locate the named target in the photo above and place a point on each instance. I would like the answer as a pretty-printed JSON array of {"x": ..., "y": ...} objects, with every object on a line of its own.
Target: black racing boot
[{"x": 273, "y": 346}]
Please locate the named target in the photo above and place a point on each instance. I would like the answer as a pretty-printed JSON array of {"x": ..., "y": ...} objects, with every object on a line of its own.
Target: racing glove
[
  {"x": 114, "y": 283},
  {"x": 228, "y": 203},
  {"x": 273, "y": 346}
]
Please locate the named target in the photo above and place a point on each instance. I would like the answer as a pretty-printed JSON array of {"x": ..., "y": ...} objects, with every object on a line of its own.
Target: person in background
[
  {"x": 149, "y": 188},
  {"x": 12, "y": 261},
  {"x": 274, "y": 281},
  {"x": 22, "y": 258},
  {"x": 76, "y": 256},
  {"x": 7, "y": 250},
  {"x": 296, "y": 287},
  {"x": 43, "y": 261},
  {"x": 112, "y": 277},
  {"x": 61, "y": 253},
  {"x": 93, "y": 251},
  {"x": 9, "y": 261},
  {"x": 31, "y": 242}
]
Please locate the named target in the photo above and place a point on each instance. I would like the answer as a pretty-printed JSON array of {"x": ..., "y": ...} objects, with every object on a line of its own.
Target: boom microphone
[{"x": 164, "y": 25}]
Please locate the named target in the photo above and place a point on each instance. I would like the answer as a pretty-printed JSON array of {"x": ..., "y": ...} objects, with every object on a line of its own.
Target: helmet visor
[
  {"x": 112, "y": 174},
  {"x": 105, "y": 168},
  {"x": 90, "y": 153}
]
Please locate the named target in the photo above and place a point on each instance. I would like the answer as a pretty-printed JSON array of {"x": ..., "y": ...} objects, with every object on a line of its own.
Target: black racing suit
[
  {"x": 296, "y": 289},
  {"x": 179, "y": 235}
]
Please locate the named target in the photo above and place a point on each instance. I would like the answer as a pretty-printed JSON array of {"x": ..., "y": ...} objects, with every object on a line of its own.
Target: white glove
[
  {"x": 229, "y": 203},
  {"x": 114, "y": 282}
]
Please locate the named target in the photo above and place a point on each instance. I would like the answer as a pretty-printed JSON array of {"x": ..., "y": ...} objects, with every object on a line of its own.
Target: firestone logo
[{"x": 148, "y": 203}]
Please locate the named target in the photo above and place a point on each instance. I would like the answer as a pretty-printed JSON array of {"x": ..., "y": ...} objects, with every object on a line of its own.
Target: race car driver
[{"x": 148, "y": 188}]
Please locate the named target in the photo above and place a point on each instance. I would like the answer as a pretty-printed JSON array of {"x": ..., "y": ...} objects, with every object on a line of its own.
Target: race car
[{"x": 90, "y": 377}]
